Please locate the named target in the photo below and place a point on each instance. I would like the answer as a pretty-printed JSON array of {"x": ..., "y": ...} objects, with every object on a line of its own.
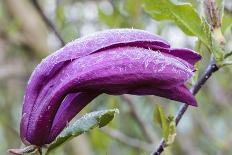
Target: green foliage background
[{"x": 25, "y": 40}]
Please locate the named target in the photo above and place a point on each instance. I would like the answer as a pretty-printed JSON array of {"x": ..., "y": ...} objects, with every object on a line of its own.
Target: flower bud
[{"x": 120, "y": 61}]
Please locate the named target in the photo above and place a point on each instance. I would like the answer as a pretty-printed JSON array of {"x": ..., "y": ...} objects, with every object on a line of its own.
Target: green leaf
[
  {"x": 167, "y": 125},
  {"x": 82, "y": 125},
  {"x": 162, "y": 120},
  {"x": 183, "y": 15},
  {"x": 172, "y": 131}
]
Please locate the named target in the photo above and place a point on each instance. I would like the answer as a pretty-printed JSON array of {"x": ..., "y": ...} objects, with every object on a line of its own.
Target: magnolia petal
[
  {"x": 179, "y": 93},
  {"x": 115, "y": 62},
  {"x": 113, "y": 71},
  {"x": 51, "y": 65},
  {"x": 186, "y": 54}
]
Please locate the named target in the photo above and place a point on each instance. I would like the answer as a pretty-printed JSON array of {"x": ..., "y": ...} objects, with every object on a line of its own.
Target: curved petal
[
  {"x": 51, "y": 65},
  {"x": 183, "y": 53},
  {"x": 179, "y": 93},
  {"x": 115, "y": 62},
  {"x": 114, "y": 71},
  {"x": 186, "y": 54}
]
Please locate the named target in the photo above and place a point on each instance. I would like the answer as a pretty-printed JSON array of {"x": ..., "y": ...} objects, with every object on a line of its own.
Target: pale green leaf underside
[
  {"x": 82, "y": 125},
  {"x": 162, "y": 120}
]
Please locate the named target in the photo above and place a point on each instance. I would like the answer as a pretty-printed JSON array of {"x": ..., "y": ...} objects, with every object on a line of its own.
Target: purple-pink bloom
[{"x": 119, "y": 61}]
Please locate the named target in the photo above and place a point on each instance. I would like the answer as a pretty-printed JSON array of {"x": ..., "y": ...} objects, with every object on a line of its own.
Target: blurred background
[{"x": 26, "y": 38}]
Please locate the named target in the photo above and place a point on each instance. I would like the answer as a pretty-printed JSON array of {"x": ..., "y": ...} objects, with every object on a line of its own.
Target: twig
[
  {"x": 212, "y": 67},
  {"x": 127, "y": 140},
  {"x": 143, "y": 125},
  {"x": 48, "y": 22}
]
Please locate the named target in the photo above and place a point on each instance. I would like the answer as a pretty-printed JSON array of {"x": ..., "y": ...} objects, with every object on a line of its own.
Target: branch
[
  {"x": 212, "y": 67},
  {"x": 143, "y": 125},
  {"x": 48, "y": 22},
  {"x": 127, "y": 140}
]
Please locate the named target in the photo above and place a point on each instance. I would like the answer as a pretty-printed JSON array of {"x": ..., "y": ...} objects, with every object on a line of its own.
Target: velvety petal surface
[
  {"x": 51, "y": 65},
  {"x": 113, "y": 71},
  {"x": 115, "y": 62}
]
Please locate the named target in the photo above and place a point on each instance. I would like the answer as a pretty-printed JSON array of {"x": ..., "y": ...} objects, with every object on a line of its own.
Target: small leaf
[
  {"x": 82, "y": 125},
  {"x": 105, "y": 118},
  {"x": 167, "y": 124},
  {"x": 172, "y": 131},
  {"x": 162, "y": 120},
  {"x": 183, "y": 15}
]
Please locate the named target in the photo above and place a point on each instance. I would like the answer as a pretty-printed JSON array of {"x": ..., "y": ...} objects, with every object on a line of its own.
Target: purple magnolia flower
[{"x": 120, "y": 61}]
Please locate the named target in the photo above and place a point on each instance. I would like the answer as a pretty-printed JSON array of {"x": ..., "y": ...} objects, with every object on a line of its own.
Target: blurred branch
[
  {"x": 142, "y": 124},
  {"x": 48, "y": 22},
  {"x": 212, "y": 67},
  {"x": 127, "y": 140},
  {"x": 30, "y": 31}
]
